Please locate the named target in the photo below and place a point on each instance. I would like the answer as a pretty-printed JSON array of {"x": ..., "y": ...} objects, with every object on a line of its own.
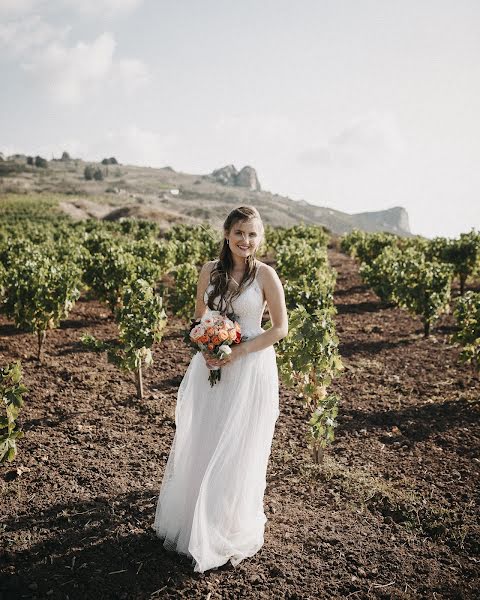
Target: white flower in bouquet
[
  {"x": 224, "y": 349},
  {"x": 197, "y": 331}
]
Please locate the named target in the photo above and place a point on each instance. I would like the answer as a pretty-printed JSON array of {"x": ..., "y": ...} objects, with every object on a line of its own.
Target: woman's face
[{"x": 244, "y": 237}]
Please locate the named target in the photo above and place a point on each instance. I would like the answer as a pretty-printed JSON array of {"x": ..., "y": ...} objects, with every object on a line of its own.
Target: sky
[{"x": 357, "y": 105}]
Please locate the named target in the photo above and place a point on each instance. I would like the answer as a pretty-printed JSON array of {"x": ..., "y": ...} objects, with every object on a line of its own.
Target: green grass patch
[
  {"x": 402, "y": 505},
  {"x": 32, "y": 207}
]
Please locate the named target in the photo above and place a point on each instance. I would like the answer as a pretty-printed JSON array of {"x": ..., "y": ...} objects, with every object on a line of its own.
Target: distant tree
[
  {"x": 41, "y": 162},
  {"x": 98, "y": 174},
  {"x": 106, "y": 161},
  {"x": 30, "y": 160},
  {"x": 65, "y": 156},
  {"x": 110, "y": 161},
  {"x": 88, "y": 172}
]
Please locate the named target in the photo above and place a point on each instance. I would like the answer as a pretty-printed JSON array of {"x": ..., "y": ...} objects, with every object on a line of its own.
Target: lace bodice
[{"x": 249, "y": 308}]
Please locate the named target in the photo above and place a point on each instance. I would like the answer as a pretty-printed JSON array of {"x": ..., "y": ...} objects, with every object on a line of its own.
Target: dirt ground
[{"x": 392, "y": 513}]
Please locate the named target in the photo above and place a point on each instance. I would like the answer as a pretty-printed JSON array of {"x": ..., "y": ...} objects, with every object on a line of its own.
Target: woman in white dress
[{"x": 210, "y": 506}]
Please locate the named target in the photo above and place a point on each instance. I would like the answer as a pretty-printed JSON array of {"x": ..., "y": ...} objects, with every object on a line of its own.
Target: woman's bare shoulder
[
  {"x": 266, "y": 271},
  {"x": 208, "y": 266}
]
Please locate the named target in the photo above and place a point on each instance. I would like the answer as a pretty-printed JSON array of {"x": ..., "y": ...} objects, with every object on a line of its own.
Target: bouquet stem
[{"x": 214, "y": 376}]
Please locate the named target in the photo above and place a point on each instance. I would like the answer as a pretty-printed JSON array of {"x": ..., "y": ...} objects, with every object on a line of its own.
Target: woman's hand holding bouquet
[{"x": 213, "y": 336}]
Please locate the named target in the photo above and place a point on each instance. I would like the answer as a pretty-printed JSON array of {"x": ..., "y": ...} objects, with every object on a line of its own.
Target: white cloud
[
  {"x": 368, "y": 139},
  {"x": 69, "y": 73},
  {"x": 21, "y": 36},
  {"x": 104, "y": 7}
]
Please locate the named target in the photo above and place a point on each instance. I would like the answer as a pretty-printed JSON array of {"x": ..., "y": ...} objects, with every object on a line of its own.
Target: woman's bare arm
[{"x": 203, "y": 281}]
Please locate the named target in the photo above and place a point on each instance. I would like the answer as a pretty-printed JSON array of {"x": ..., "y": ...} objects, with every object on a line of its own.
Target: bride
[{"x": 210, "y": 506}]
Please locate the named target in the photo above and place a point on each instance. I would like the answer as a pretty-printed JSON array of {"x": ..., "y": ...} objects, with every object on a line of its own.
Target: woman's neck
[{"x": 239, "y": 264}]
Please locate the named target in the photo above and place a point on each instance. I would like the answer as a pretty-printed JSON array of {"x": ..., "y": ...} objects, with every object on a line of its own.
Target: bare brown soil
[{"x": 390, "y": 514}]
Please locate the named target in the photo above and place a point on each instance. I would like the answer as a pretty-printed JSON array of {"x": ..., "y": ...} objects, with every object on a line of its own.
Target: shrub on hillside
[
  {"x": 41, "y": 162},
  {"x": 90, "y": 172}
]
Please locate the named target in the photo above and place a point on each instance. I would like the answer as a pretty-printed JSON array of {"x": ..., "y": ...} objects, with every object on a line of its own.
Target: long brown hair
[{"x": 220, "y": 273}]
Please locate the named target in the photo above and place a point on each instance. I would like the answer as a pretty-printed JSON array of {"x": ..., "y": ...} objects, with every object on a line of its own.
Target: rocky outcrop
[
  {"x": 226, "y": 175},
  {"x": 246, "y": 178},
  {"x": 393, "y": 219}
]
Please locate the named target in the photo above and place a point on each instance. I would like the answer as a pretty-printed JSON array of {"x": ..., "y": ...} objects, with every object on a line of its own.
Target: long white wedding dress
[{"x": 210, "y": 505}]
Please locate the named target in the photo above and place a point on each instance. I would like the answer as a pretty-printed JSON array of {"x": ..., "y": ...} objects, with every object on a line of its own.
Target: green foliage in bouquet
[
  {"x": 467, "y": 314},
  {"x": 12, "y": 392},
  {"x": 141, "y": 321}
]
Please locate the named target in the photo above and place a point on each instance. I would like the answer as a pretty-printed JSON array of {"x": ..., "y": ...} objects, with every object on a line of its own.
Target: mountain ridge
[{"x": 165, "y": 195}]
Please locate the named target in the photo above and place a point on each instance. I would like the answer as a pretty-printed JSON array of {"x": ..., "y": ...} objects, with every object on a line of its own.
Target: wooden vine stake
[{"x": 139, "y": 381}]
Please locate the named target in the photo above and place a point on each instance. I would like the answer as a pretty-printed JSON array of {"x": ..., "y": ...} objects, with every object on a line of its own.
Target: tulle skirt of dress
[{"x": 210, "y": 505}]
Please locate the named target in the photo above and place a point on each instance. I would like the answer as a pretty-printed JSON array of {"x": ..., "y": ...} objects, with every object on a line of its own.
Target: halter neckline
[{"x": 232, "y": 277}]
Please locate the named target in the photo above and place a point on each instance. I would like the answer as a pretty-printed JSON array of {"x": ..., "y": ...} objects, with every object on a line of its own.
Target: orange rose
[
  {"x": 223, "y": 335},
  {"x": 216, "y": 340},
  {"x": 210, "y": 346},
  {"x": 204, "y": 339},
  {"x": 210, "y": 331}
]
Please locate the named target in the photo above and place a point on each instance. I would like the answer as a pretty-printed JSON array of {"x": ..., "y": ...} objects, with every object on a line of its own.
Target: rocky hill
[{"x": 167, "y": 196}]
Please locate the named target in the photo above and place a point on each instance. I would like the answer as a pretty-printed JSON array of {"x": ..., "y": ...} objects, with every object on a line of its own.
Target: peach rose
[{"x": 223, "y": 335}]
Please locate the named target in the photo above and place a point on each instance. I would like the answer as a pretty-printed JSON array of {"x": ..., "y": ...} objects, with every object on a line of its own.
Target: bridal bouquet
[{"x": 215, "y": 334}]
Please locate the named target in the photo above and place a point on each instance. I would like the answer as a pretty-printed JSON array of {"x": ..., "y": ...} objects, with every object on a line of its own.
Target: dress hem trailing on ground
[{"x": 210, "y": 506}]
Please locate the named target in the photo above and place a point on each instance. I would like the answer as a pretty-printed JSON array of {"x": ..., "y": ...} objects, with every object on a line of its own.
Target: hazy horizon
[{"x": 355, "y": 106}]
